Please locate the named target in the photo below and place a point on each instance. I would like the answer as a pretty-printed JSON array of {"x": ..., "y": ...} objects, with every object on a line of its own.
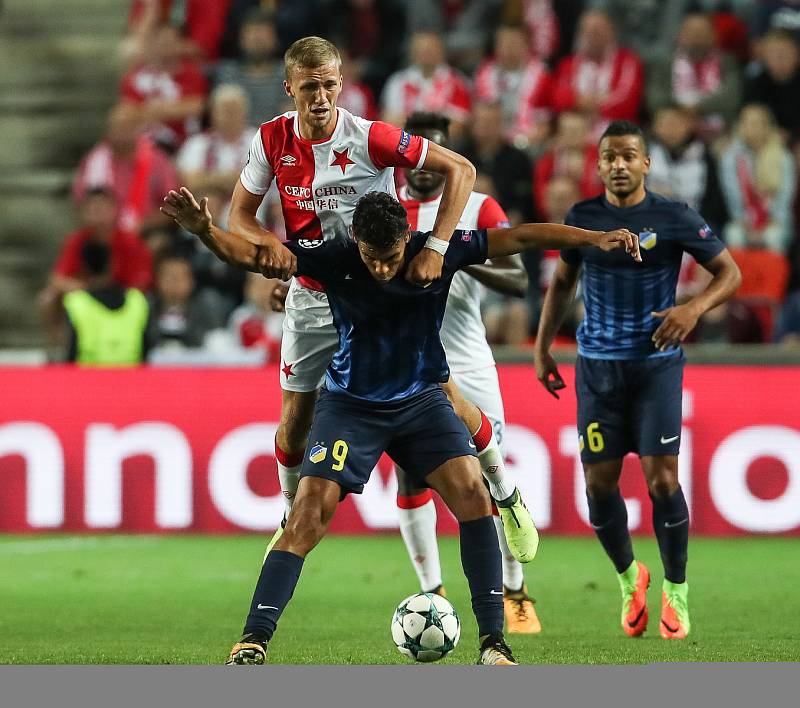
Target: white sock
[
  {"x": 289, "y": 478},
  {"x": 494, "y": 469},
  {"x": 512, "y": 568},
  {"x": 418, "y": 528}
]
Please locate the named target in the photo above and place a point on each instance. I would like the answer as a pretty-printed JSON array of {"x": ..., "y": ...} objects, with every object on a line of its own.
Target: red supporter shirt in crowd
[
  {"x": 553, "y": 164},
  {"x": 358, "y": 99},
  {"x": 186, "y": 81},
  {"x": 204, "y": 20},
  {"x": 445, "y": 92},
  {"x": 131, "y": 262},
  {"x": 139, "y": 184},
  {"x": 619, "y": 79}
]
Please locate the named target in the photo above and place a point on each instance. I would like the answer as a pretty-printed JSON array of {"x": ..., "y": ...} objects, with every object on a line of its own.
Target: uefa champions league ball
[{"x": 425, "y": 627}]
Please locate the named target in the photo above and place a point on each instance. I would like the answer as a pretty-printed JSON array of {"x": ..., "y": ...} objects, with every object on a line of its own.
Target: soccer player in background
[
  {"x": 382, "y": 392},
  {"x": 323, "y": 159},
  {"x": 629, "y": 371},
  {"x": 474, "y": 389}
]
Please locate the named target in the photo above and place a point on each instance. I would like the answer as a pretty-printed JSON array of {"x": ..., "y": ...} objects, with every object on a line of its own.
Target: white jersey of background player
[
  {"x": 323, "y": 159},
  {"x": 472, "y": 368}
]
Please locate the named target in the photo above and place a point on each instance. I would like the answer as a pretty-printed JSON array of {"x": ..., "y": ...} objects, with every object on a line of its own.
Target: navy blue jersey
[
  {"x": 619, "y": 294},
  {"x": 389, "y": 346}
]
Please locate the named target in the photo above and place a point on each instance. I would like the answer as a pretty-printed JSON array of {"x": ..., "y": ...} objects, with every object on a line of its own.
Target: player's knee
[
  {"x": 305, "y": 527},
  {"x": 662, "y": 485},
  {"x": 598, "y": 488},
  {"x": 471, "y": 500}
]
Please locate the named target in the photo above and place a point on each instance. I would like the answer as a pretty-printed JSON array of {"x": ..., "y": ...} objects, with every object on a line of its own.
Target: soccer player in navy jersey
[
  {"x": 382, "y": 392},
  {"x": 629, "y": 370}
]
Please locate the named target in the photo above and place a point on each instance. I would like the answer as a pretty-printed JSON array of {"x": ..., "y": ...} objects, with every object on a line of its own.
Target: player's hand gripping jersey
[{"x": 382, "y": 355}]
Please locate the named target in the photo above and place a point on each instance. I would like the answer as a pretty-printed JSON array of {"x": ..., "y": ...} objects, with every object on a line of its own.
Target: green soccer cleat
[
  {"x": 634, "y": 583},
  {"x": 675, "y": 622},
  {"x": 518, "y": 526},
  {"x": 247, "y": 652}
]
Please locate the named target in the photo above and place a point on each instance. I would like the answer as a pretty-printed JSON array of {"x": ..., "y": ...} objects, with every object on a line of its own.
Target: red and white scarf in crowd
[
  {"x": 756, "y": 206},
  {"x": 492, "y": 83},
  {"x": 593, "y": 77},
  {"x": 693, "y": 81},
  {"x": 134, "y": 202}
]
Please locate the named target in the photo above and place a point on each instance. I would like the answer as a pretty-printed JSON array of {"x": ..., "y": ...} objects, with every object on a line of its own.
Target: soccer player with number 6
[{"x": 629, "y": 372}]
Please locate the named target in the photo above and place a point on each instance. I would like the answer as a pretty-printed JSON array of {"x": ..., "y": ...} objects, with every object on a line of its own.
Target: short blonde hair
[{"x": 311, "y": 52}]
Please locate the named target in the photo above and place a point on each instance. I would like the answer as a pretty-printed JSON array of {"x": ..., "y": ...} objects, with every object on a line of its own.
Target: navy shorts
[
  {"x": 348, "y": 436},
  {"x": 629, "y": 406}
]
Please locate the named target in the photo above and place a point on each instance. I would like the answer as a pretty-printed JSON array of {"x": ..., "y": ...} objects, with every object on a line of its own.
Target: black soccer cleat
[
  {"x": 247, "y": 651},
  {"x": 495, "y": 652}
]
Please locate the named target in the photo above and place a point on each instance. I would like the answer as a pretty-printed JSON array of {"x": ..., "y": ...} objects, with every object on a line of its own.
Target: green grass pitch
[{"x": 182, "y": 600}]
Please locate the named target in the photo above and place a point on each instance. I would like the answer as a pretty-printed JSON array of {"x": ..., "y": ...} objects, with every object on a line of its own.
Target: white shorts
[
  {"x": 309, "y": 339},
  {"x": 482, "y": 387}
]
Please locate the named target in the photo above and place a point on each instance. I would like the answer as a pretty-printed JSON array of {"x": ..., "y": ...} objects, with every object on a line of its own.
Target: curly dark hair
[{"x": 379, "y": 220}]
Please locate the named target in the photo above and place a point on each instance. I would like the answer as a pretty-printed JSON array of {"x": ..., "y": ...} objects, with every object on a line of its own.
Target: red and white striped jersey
[
  {"x": 463, "y": 334},
  {"x": 320, "y": 181}
]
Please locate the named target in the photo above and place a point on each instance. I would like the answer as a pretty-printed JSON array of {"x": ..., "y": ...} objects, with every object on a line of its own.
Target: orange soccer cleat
[
  {"x": 634, "y": 599},
  {"x": 520, "y": 613}
]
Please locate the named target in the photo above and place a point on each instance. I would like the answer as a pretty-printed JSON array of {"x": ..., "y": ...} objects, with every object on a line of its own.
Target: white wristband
[{"x": 437, "y": 244}]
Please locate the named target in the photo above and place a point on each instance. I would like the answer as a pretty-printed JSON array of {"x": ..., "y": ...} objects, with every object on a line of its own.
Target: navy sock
[
  {"x": 609, "y": 519},
  {"x": 274, "y": 589},
  {"x": 483, "y": 566},
  {"x": 671, "y": 524}
]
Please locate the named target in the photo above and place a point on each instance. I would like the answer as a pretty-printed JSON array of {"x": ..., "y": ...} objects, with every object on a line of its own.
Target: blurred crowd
[{"x": 528, "y": 86}]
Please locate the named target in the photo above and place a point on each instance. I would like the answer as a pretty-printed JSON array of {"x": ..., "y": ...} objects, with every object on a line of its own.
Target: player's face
[
  {"x": 384, "y": 264},
  {"x": 315, "y": 91},
  {"x": 427, "y": 184},
  {"x": 622, "y": 164}
]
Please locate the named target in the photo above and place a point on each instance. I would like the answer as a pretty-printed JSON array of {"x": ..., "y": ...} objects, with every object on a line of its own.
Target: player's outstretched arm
[
  {"x": 677, "y": 322},
  {"x": 525, "y": 237},
  {"x": 196, "y": 218},
  {"x": 557, "y": 301},
  {"x": 278, "y": 261},
  {"x": 459, "y": 175}
]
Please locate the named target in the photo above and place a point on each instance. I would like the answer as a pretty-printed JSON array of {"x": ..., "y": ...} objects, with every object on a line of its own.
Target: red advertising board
[{"x": 171, "y": 450}]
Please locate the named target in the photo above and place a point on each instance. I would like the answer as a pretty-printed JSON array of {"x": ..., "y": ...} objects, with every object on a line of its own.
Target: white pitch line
[{"x": 46, "y": 545}]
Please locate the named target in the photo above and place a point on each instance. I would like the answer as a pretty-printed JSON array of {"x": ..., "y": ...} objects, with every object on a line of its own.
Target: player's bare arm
[
  {"x": 277, "y": 261},
  {"x": 505, "y": 275},
  {"x": 505, "y": 242},
  {"x": 459, "y": 175},
  {"x": 196, "y": 218},
  {"x": 680, "y": 320},
  {"x": 556, "y": 304}
]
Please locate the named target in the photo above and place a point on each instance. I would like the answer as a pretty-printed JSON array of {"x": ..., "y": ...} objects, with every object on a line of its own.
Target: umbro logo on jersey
[
  {"x": 288, "y": 159},
  {"x": 309, "y": 242}
]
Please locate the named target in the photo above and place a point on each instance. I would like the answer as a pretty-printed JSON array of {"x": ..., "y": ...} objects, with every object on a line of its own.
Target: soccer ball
[{"x": 425, "y": 627}]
